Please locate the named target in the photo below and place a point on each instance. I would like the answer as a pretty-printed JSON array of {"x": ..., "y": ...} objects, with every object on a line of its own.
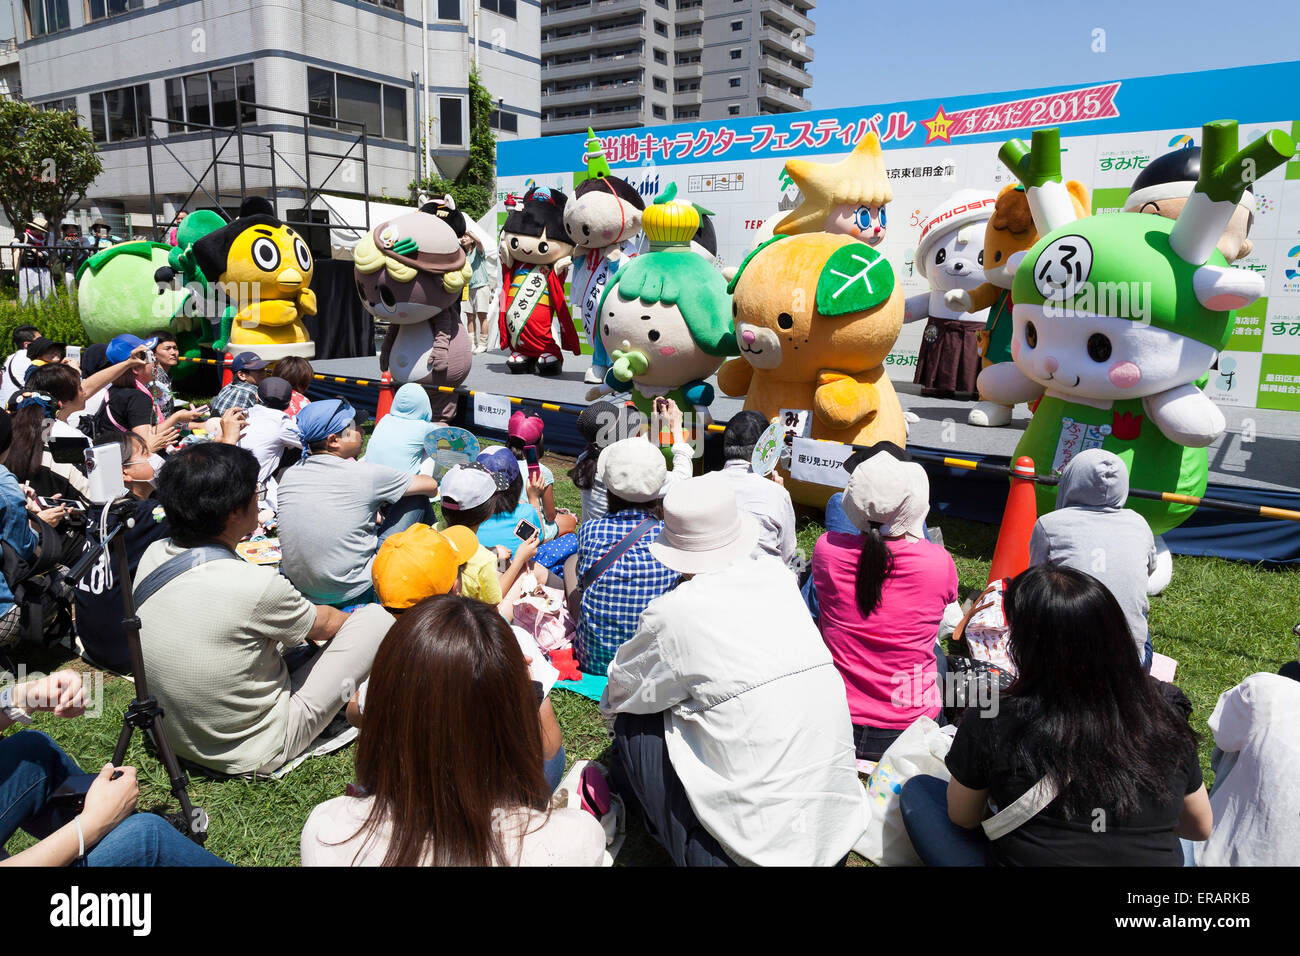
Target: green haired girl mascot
[
  {"x": 1118, "y": 318},
  {"x": 665, "y": 317}
]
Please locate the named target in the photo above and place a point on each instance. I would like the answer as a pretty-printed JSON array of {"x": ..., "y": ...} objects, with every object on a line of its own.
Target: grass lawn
[{"x": 1220, "y": 620}]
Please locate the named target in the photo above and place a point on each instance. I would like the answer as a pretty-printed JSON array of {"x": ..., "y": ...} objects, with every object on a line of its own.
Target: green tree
[
  {"x": 474, "y": 188},
  {"x": 47, "y": 162}
]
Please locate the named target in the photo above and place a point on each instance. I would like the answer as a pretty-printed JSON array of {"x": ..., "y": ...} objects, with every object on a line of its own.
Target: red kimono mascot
[{"x": 535, "y": 253}]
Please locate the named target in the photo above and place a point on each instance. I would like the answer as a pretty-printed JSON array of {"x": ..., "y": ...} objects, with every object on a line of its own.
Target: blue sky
[{"x": 884, "y": 51}]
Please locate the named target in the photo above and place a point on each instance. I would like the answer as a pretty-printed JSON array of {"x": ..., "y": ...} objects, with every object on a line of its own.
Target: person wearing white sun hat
[{"x": 731, "y": 725}]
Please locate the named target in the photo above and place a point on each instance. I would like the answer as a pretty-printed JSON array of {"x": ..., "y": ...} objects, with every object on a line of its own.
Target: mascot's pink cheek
[
  {"x": 667, "y": 350},
  {"x": 1015, "y": 348},
  {"x": 1125, "y": 375}
]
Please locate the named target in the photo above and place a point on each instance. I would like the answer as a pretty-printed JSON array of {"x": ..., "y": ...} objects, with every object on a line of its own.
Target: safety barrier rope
[{"x": 965, "y": 464}]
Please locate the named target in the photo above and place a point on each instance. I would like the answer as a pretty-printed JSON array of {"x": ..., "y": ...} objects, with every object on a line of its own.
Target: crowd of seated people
[{"x": 743, "y": 688}]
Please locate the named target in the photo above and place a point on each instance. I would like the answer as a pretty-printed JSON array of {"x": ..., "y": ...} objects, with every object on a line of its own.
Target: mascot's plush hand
[
  {"x": 842, "y": 402},
  {"x": 1186, "y": 416},
  {"x": 267, "y": 312},
  {"x": 1004, "y": 384},
  {"x": 561, "y": 266},
  {"x": 734, "y": 377},
  {"x": 307, "y": 302},
  {"x": 958, "y": 300},
  {"x": 629, "y": 364}
]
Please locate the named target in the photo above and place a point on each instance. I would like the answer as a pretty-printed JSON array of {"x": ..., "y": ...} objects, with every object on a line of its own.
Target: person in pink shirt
[{"x": 882, "y": 594}]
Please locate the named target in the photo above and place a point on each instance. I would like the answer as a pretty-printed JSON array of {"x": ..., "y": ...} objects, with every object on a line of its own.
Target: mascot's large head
[
  {"x": 256, "y": 254},
  {"x": 410, "y": 268},
  {"x": 534, "y": 231}
]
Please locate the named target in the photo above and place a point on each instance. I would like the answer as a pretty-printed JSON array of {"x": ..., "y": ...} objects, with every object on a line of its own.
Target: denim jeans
[
  {"x": 554, "y": 770},
  {"x": 404, "y": 512},
  {"x": 32, "y": 766},
  {"x": 937, "y": 840}
]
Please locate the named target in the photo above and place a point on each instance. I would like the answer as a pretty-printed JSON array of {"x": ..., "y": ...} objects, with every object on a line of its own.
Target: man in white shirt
[
  {"x": 731, "y": 725},
  {"x": 16, "y": 366},
  {"x": 762, "y": 497},
  {"x": 269, "y": 434}
]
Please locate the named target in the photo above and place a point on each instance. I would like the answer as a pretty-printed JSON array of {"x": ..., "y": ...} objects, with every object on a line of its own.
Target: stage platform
[{"x": 1271, "y": 461}]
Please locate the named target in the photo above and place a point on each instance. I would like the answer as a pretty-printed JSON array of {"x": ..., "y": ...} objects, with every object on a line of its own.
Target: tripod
[{"x": 143, "y": 713}]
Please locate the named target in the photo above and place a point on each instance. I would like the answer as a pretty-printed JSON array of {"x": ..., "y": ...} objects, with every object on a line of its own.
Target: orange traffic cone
[
  {"x": 385, "y": 404},
  {"x": 1011, "y": 555},
  {"x": 227, "y": 374}
]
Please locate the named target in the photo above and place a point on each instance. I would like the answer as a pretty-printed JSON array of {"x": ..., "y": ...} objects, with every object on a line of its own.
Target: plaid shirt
[
  {"x": 238, "y": 394},
  {"x": 612, "y": 605}
]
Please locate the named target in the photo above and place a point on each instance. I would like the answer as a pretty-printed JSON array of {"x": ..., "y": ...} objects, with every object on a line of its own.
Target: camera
[{"x": 104, "y": 473}]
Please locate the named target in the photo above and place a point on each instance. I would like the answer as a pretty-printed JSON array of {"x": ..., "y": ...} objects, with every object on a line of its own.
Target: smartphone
[
  {"x": 524, "y": 530},
  {"x": 73, "y": 505},
  {"x": 530, "y": 455},
  {"x": 73, "y": 353}
]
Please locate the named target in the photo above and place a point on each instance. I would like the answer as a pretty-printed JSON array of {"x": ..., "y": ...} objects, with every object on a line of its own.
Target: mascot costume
[
  {"x": 602, "y": 220},
  {"x": 845, "y": 198},
  {"x": 666, "y": 317},
  {"x": 535, "y": 253},
  {"x": 815, "y": 317},
  {"x": 1009, "y": 231},
  {"x": 267, "y": 267},
  {"x": 410, "y": 272},
  {"x": 950, "y": 255},
  {"x": 1117, "y": 318}
]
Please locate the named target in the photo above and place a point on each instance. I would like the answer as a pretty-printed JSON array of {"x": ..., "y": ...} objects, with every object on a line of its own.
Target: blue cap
[
  {"x": 247, "y": 362},
  {"x": 120, "y": 349},
  {"x": 500, "y": 461}
]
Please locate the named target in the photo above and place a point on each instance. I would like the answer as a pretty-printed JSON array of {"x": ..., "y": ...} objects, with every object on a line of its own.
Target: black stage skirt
[{"x": 949, "y": 361}]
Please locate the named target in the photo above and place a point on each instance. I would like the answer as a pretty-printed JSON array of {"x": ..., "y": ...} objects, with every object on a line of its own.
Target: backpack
[{"x": 40, "y": 590}]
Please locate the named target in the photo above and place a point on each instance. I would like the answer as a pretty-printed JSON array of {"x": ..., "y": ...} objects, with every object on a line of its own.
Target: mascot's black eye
[
  {"x": 735, "y": 310},
  {"x": 265, "y": 254},
  {"x": 514, "y": 243},
  {"x": 542, "y": 247},
  {"x": 586, "y": 230},
  {"x": 1031, "y": 335},
  {"x": 1098, "y": 347},
  {"x": 302, "y": 254},
  {"x": 997, "y": 256},
  {"x": 784, "y": 320},
  {"x": 386, "y": 294},
  {"x": 653, "y": 335},
  {"x": 607, "y": 326},
  {"x": 980, "y": 257},
  {"x": 939, "y": 256}
]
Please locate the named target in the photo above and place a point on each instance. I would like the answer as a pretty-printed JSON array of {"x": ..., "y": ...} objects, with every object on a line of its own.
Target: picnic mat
[{"x": 591, "y": 686}]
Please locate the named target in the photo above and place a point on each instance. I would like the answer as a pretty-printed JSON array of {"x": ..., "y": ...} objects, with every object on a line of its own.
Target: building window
[
  {"x": 734, "y": 82},
  {"x": 47, "y": 16},
  {"x": 659, "y": 112},
  {"x": 735, "y": 54},
  {"x": 504, "y": 121},
  {"x": 99, "y": 9},
  {"x": 117, "y": 115},
  {"x": 211, "y": 99},
  {"x": 737, "y": 25},
  {"x": 661, "y": 28},
  {"x": 733, "y": 110},
  {"x": 69, "y": 103},
  {"x": 449, "y": 121},
  {"x": 660, "y": 84},
  {"x": 387, "y": 4},
  {"x": 380, "y": 107},
  {"x": 449, "y": 9},
  {"x": 686, "y": 114},
  {"x": 504, "y": 7},
  {"x": 660, "y": 56}
]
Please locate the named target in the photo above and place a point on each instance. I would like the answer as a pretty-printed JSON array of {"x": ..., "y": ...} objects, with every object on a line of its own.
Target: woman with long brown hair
[{"x": 449, "y": 762}]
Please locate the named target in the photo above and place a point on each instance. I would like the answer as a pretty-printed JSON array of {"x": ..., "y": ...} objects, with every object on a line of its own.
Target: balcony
[
  {"x": 787, "y": 15},
  {"x": 592, "y": 93},
  {"x": 689, "y": 71},
  {"x": 594, "y": 66},
  {"x": 790, "y": 73},
  {"x": 784, "y": 100},
  {"x": 688, "y": 98},
  {"x": 587, "y": 12},
  {"x": 597, "y": 121},
  {"x": 780, "y": 40},
  {"x": 690, "y": 44},
  {"x": 583, "y": 39},
  {"x": 693, "y": 13}
]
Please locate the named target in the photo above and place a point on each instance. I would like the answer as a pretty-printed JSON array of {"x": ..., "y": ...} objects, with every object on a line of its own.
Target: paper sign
[
  {"x": 820, "y": 462},
  {"x": 491, "y": 411},
  {"x": 1076, "y": 437},
  {"x": 768, "y": 449}
]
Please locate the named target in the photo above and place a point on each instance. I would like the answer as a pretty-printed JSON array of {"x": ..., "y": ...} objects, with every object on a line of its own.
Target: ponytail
[
  {"x": 583, "y": 473},
  {"x": 875, "y": 564}
]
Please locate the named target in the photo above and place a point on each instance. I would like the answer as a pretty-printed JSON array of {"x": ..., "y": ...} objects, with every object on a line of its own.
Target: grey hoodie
[{"x": 1091, "y": 531}]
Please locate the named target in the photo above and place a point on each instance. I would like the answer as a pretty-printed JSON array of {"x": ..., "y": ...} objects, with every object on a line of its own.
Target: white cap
[
  {"x": 704, "y": 529},
  {"x": 963, "y": 206},
  {"x": 633, "y": 469}
]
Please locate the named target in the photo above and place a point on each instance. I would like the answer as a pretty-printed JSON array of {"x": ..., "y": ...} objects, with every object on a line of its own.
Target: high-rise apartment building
[{"x": 610, "y": 64}]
